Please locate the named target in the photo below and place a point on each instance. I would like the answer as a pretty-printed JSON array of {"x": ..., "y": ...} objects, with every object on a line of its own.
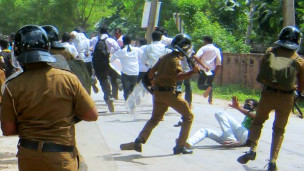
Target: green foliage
[{"x": 222, "y": 38}]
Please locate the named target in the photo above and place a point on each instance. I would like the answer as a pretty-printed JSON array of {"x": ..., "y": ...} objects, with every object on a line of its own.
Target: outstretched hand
[{"x": 235, "y": 103}]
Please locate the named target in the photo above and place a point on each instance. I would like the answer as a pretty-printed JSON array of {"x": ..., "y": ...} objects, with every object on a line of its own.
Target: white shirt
[
  {"x": 141, "y": 62},
  {"x": 210, "y": 56},
  {"x": 129, "y": 60},
  {"x": 120, "y": 41},
  {"x": 82, "y": 44},
  {"x": 166, "y": 40},
  {"x": 71, "y": 49},
  {"x": 152, "y": 53},
  {"x": 111, "y": 43}
]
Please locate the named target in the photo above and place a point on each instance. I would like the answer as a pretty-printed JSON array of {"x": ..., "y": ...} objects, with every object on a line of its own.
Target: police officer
[
  {"x": 274, "y": 99},
  {"x": 41, "y": 104},
  {"x": 164, "y": 75},
  {"x": 58, "y": 50}
]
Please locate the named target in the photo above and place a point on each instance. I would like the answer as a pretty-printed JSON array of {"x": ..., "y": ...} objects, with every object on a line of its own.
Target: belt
[
  {"x": 45, "y": 146},
  {"x": 163, "y": 89},
  {"x": 277, "y": 90}
]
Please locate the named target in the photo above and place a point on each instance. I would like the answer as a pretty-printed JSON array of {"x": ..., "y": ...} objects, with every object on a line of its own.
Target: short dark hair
[
  {"x": 127, "y": 41},
  {"x": 104, "y": 29},
  {"x": 142, "y": 41},
  {"x": 208, "y": 39},
  {"x": 156, "y": 36},
  {"x": 4, "y": 43},
  {"x": 118, "y": 30},
  {"x": 255, "y": 102},
  {"x": 160, "y": 29},
  {"x": 66, "y": 37}
]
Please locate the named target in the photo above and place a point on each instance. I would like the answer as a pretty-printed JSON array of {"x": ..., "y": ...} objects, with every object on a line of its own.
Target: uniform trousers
[
  {"x": 204, "y": 81},
  {"x": 31, "y": 160},
  {"x": 128, "y": 84},
  {"x": 282, "y": 104},
  {"x": 106, "y": 78},
  {"x": 231, "y": 130},
  {"x": 161, "y": 102}
]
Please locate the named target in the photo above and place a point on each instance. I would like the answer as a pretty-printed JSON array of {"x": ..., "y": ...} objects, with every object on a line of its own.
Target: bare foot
[{"x": 206, "y": 93}]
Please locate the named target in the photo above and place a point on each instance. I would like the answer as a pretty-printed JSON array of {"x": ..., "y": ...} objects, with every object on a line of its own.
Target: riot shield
[
  {"x": 81, "y": 71},
  {"x": 93, "y": 150},
  {"x": 136, "y": 97}
]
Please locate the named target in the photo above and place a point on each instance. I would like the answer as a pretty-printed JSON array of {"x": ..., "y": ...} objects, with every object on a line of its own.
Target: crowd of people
[{"x": 47, "y": 82}]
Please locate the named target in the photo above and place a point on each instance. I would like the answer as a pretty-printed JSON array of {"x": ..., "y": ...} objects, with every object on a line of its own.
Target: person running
[
  {"x": 209, "y": 59},
  {"x": 281, "y": 73},
  {"x": 164, "y": 75},
  {"x": 128, "y": 57}
]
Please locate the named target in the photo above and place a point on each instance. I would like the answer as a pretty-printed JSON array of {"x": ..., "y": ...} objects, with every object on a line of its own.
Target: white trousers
[{"x": 231, "y": 130}]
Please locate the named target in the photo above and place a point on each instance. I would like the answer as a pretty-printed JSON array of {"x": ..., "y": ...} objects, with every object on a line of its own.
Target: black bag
[{"x": 101, "y": 56}]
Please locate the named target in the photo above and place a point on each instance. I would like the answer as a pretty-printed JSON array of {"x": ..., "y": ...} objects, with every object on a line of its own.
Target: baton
[{"x": 188, "y": 58}]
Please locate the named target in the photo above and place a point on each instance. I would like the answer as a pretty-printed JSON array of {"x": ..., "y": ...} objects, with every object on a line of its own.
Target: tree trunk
[
  {"x": 250, "y": 21},
  {"x": 288, "y": 13}
]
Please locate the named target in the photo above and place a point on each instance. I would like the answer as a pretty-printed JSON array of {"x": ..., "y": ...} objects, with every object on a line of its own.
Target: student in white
[
  {"x": 143, "y": 68},
  {"x": 128, "y": 57},
  {"x": 82, "y": 44},
  {"x": 118, "y": 36},
  {"x": 153, "y": 51},
  {"x": 209, "y": 59},
  {"x": 66, "y": 38}
]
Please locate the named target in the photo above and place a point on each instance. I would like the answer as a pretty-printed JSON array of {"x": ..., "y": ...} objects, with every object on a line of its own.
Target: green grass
[
  {"x": 226, "y": 92},
  {"x": 243, "y": 93}
]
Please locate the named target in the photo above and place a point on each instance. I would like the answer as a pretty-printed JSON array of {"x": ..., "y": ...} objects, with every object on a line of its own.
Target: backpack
[
  {"x": 278, "y": 72},
  {"x": 101, "y": 55}
]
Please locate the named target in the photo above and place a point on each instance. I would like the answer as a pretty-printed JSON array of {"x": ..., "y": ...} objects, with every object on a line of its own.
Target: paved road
[
  {"x": 101, "y": 150},
  {"x": 120, "y": 127}
]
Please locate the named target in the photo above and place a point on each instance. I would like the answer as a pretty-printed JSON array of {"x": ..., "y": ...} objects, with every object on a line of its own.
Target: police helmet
[
  {"x": 53, "y": 36},
  {"x": 182, "y": 41},
  {"x": 290, "y": 38},
  {"x": 31, "y": 45}
]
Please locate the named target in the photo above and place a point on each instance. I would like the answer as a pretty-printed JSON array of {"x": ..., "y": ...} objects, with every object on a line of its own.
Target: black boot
[
  {"x": 272, "y": 166},
  {"x": 181, "y": 149},
  {"x": 250, "y": 155}
]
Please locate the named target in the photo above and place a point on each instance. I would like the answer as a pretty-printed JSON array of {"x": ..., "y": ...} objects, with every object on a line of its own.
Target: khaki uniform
[
  {"x": 2, "y": 81},
  {"x": 44, "y": 101},
  {"x": 282, "y": 103},
  {"x": 167, "y": 68}
]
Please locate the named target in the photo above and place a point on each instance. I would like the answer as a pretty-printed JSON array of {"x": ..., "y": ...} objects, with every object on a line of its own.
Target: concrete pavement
[{"x": 120, "y": 127}]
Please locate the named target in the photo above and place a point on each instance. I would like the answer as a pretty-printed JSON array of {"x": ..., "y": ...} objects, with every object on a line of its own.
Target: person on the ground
[
  {"x": 6, "y": 59},
  {"x": 281, "y": 73},
  {"x": 119, "y": 36},
  {"x": 58, "y": 50},
  {"x": 232, "y": 132},
  {"x": 163, "y": 76},
  {"x": 128, "y": 57},
  {"x": 209, "y": 59},
  {"x": 164, "y": 39},
  {"x": 41, "y": 106},
  {"x": 104, "y": 49},
  {"x": 143, "y": 68}
]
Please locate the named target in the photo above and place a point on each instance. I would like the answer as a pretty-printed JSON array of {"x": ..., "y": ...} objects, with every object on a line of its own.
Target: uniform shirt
[
  {"x": 111, "y": 43},
  {"x": 71, "y": 49},
  {"x": 43, "y": 102},
  {"x": 82, "y": 44},
  {"x": 167, "y": 69},
  {"x": 210, "y": 56},
  {"x": 2, "y": 81},
  {"x": 152, "y": 53},
  {"x": 129, "y": 60},
  {"x": 293, "y": 55}
]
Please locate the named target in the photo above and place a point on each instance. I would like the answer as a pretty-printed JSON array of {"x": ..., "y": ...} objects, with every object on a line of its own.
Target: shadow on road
[
  {"x": 7, "y": 159},
  {"x": 131, "y": 158},
  {"x": 251, "y": 169},
  {"x": 217, "y": 147}
]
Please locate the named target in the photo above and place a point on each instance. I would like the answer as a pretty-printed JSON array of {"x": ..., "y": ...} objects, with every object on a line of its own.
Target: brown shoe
[{"x": 131, "y": 146}]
